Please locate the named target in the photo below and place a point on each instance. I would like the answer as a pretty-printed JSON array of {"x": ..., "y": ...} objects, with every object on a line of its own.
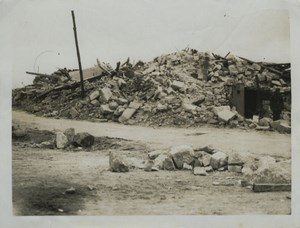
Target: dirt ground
[{"x": 41, "y": 176}]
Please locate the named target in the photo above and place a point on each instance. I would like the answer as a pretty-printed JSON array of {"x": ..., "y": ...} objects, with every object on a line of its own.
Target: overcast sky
[{"x": 39, "y": 34}]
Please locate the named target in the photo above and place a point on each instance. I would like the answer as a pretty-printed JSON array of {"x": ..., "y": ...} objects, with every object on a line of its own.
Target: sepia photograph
[{"x": 150, "y": 108}]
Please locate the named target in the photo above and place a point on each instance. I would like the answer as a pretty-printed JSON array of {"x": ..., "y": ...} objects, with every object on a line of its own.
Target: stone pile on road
[
  {"x": 69, "y": 138},
  {"x": 173, "y": 89}
]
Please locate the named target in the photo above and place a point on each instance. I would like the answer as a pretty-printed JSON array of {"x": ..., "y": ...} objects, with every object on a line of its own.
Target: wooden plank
[
  {"x": 78, "y": 54},
  {"x": 271, "y": 187}
]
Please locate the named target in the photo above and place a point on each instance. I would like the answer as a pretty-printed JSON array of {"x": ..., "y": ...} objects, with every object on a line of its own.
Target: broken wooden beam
[
  {"x": 271, "y": 69},
  {"x": 271, "y": 187},
  {"x": 39, "y": 74}
]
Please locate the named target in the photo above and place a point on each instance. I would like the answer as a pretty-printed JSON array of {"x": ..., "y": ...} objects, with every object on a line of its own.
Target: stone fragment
[
  {"x": 235, "y": 168},
  {"x": 281, "y": 126},
  {"x": 208, "y": 169},
  {"x": 159, "y": 161},
  {"x": 200, "y": 171},
  {"x": 178, "y": 85},
  {"x": 105, "y": 110},
  {"x": 95, "y": 103},
  {"x": 73, "y": 112},
  {"x": 134, "y": 105},
  {"x": 117, "y": 163},
  {"x": 70, "y": 133},
  {"x": 206, "y": 160},
  {"x": 94, "y": 95},
  {"x": 113, "y": 105},
  {"x": 265, "y": 121},
  {"x": 154, "y": 154},
  {"x": 122, "y": 101},
  {"x": 226, "y": 115},
  {"x": 47, "y": 145},
  {"x": 199, "y": 100},
  {"x": 161, "y": 107},
  {"x": 61, "y": 140},
  {"x": 127, "y": 114},
  {"x": 18, "y": 133},
  {"x": 182, "y": 154},
  {"x": 168, "y": 164},
  {"x": 219, "y": 160},
  {"x": 189, "y": 107},
  {"x": 187, "y": 167},
  {"x": 70, "y": 190},
  {"x": 239, "y": 158},
  {"x": 84, "y": 139},
  {"x": 105, "y": 94}
]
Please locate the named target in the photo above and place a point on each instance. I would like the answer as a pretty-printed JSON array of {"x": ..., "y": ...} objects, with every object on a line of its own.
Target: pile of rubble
[
  {"x": 185, "y": 88},
  {"x": 263, "y": 171}
]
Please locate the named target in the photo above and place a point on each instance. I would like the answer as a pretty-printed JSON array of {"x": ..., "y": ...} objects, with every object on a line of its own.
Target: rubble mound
[{"x": 186, "y": 88}]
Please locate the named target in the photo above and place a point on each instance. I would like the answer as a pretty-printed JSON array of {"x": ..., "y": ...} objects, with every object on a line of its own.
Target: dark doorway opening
[{"x": 251, "y": 102}]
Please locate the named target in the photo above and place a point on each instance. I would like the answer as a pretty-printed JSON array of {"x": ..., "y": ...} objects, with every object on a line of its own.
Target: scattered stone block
[
  {"x": 200, "y": 171},
  {"x": 281, "y": 126},
  {"x": 226, "y": 115},
  {"x": 134, "y": 105},
  {"x": 61, "y": 140},
  {"x": 95, "y": 103},
  {"x": 178, "y": 85},
  {"x": 189, "y": 107},
  {"x": 70, "y": 191},
  {"x": 18, "y": 133},
  {"x": 105, "y": 94},
  {"x": 168, "y": 164},
  {"x": 127, "y": 114},
  {"x": 94, "y": 95},
  {"x": 117, "y": 163},
  {"x": 73, "y": 112},
  {"x": 105, "y": 110},
  {"x": 187, "y": 167},
  {"x": 154, "y": 154},
  {"x": 159, "y": 161},
  {"x": 208, "y": 169},
  {"x": 206, "y": 160},
  {"x": 219, "y": 160},
  {"x": 113, "y": 105},
  {"x": 84, "y": 139},
  {"x": 70, "y": 133},
  {"x": 235, "y": 168},
  {"x": 47, "y": 145},
  {"x": 182, "y": 154}
]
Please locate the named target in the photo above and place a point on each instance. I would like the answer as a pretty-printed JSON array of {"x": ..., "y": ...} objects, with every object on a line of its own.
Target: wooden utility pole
[{"x": 78, "y": 55}]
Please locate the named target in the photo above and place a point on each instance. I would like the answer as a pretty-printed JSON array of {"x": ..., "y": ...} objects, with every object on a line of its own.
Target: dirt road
[
  {"x": 258, "y": 143},
  {"x": 40, "y": 176}
]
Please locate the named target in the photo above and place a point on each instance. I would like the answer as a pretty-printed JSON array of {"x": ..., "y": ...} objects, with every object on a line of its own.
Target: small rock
[
  {"x": 70, "y": 133},
  {"x": 117, "y": 163},
  {"x": 178, "y": 85},
  {"x": 84, "y": 139},
  {"x": 168, "y": 164},
  {"x": 206, "y": 160},
  {"x": 18, "y": 133},
  {"x": 61, "y": 140},
  {"x": 105, "y": 110},
  {"x": 47, "y": 145},
  {"x": 127, "y": 114},
  {"x": 159, "y": 161},
  {"x": 187, "y": 167},
  {"x": 70, "y": 191},
  {"x": 200, "y": 171},
  {"x": 219, "y": 160},
  {"x": 94, "y": 95},
  {"x": 154, "y": 154},
  {"x": 208, "y": 169},
  {"x": 105, "y": 94},
  {"x": 91, "y": 188},
  {"x": 235, "y": 168},
  {"x": 182, "y": 154},
  {"x": 73, "y": 112}
]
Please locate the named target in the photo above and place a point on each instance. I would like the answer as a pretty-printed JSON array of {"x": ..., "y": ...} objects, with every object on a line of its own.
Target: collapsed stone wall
[{"x": 185, "y": 88}]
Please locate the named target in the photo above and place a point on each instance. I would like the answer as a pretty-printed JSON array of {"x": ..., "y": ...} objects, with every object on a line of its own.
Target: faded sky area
[{"x": 39, "y": 34}]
